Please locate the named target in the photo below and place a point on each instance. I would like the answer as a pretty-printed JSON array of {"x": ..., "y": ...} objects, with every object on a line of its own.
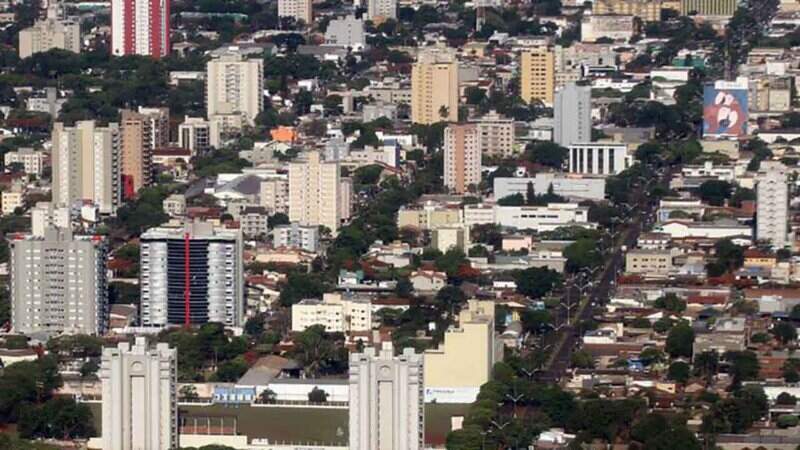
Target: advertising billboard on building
[{"x": 725, "y": 108}]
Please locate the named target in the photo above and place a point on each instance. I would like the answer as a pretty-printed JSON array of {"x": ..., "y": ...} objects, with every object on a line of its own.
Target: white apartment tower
[
  {"x": 195, "y": 134},
  {"x": 772, "y": 192},
  {"x": 140, "y": 404},
  {"x": 385, "y": 9},
  {"x": 87, "y": 165},
  {"x": 386, "y": 400},
  {"x": 462, "y": 157},
  {"x": 234, "y": 88},
  {"x": 53, "y": 32},
  {"x": 572, "y": 109},
  {"x": 314, "y": 192},
  {"x": 298, "y": 9},
  {"x": 191, "y": 276},
  {"x": 58, "y": 283}
]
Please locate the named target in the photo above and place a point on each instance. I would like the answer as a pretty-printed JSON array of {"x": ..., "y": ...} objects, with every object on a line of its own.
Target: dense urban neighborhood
[{"x": 399, "y": 224}]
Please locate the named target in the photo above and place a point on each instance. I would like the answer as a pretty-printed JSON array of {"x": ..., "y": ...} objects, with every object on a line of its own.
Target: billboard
[{"x": 725, "y": 108}]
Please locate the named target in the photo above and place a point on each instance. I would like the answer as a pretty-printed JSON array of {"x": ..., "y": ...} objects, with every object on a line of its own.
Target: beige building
[
  {"x": 537, "y": 75},
  {"x": 86, "y": 165},
  {"x": 434, "y": 87},
  {"x": 650, "y": 263},
  {"x": 314, "y": 192},
  {"x": 274, "y": 195},
  {"x": 298, "y": 9},
  {"x": 618, "y": 28},
  {"x": 647, "y": 10},
  {"x": 337, "y": 312},
  {"x": 234, "y": 88},
  {"x": 32, "y": 160},
  {"x": 427, "y": 217},
  {"x": 463, "y": 362},
  {"x": 496, "y": 135},
  {"x": 770, "y": 94},
  {"x": 462, "y": 158},
  {"x": 52, "y": 32},
  {"x": 13, "y": 198},
  {"x": 709, "y": 7},
  {"x": 452, "y": 237},
  {"x": 142, "y": 132}
]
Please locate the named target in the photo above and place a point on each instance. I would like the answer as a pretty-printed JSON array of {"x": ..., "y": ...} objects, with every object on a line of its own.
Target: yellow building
[
  {"x": 709, "y": 7},
  {"x": 434, "y": 87},
  {"x": 537, "y": 75},
  {"x": 455, "y": 371},
  {"x": 428, "y": 218},
  {"x": 647, "y": 10}
]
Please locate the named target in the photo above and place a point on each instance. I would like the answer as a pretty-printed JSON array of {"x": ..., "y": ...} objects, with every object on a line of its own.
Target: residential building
[
  {"x": 428, "y": 217},
  {"x": 13, "y": 198},
  {"x": 58, "y": 283},
  {"x": 495, "y": 135},
  {"x": 274, "y": 195},
  {"x": 709, "y": 7},
  {"x": 140, "y": 27},
  {"x": 346, "y": 32},
  {"x": 434, "y": 87},
  {"x": 191, "y": 276},
  {"x": 314, "y": 192},
  {"x": 427, "y": 281},
  {"x": 462, "y": 363},
  {"x": 537, "y": 75},
  {"x": 647, "y": 10},
  {"x": 573, "y": 115},
  {"x": 371, "y": 112},
  {"x": 609, "y": 26},
  {"x": 86, "y": 165},
  {"x": 338, "y": 313},
  {"x": 772, "y": 215},
  {"x": 598, "y": 158},
  {"x": 142, "y": 132},
  {"x": 381, "y": 9},
  {"x": 195, "y": 134},
  {"x": 32, "y": 161},
  {"x": 49, "y": 103},
  {"x": 140, "y": 396},
  {"x": 45, "y": 215},
  {"x": 649, "y": 263},
  {"x": 175, "y": 205},
  {"x": 297, "y": 9},
  {"x": 462, "y": 158},
  {"x": 294, "y": 235},
  {"x": 386, "y": 400},
  {"x": 452, "y": 237},
  {"x": 234, "y": 90},
  {"x": 582, "y": 187},
  {"x": 253, "y": 221},
  {"x": 53, "y": 32}
]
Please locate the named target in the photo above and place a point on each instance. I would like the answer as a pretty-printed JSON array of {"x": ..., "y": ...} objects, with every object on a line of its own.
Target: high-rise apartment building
[
  {"x": 537, "y": 75},
  {"x": 709, "y": 7},
  {"x": 462, "y": 157},
  {"x": 197, "y": 134},
  {"x": 386, "y": 400},
  {"x": 191, "y": 275},
  {"x": 58, "y": 283},
  {"x": 234, "y": 88},
  {"x": 86, "y": 165},
  {"x": 647, "y": 10},
  {"x": 496, "y": 135},
  {"x": 434, "y": 87},
  {"x": 573, "y": 115},
  {"x": 772, "y": 195},
  {"x": 274, "y": 195},
  {"x": 142, "y": 132},
  {"x": 381, "y": 9},
  {"x": 140, "y": 27},
  {"x": 314, "y": 192},
  {"x": 53, "y": 32},
  {"x": 140, "y": 401},
  {"x": 45, "y": 215},
  {"x": 297, "y": 9}
]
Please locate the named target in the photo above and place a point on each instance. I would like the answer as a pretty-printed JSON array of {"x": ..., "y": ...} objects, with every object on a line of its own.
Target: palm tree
[{"x": 444, "y": 112}]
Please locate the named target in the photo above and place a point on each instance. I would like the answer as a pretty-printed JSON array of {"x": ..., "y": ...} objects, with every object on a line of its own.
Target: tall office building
[
  {"x": 234, "y": 87},
  {"x": 140, "y": 402},
  {"x": 386, "y": 400},
  {"x": 709, "y": 7},
  {"x": 381, "y": 9},
  {"x": 297, "y": 9},
  {"x": 86, "y": 165},
  {"x": 140, "y": 27},
  {"x": 58, "y": 283},
  {"x": 434, "y": 87},
  {"x": 573, "y": 115},
  {"x": 537, "y": 75},
  {"x": 314, "y": 192},
  {"x": 772, "y": 194},
  {"x": 462, "y": 157},
  {"x": 195, "y": 134},
  {"x": 142, "y": 132},
  {"x": 191, "y": 275},
  {"x": 53, "y": 32}
]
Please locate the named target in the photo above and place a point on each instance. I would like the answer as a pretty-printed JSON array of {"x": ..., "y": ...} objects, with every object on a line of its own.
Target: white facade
[
  {"x": 685, "y": 229},
  {"x": 386, "y": 9},
  {"x": 598, "y": 158},
  {"x": 298, "y": 9},
  {"x": 45, "y": 215},
  {"x": 335, "y": 312},
  {"x": 570, "y": 186},
  {"x": 347, "y": 32},
  {"x": 572, "y": 109},
  {"x": 772, "y": 193},
  {"x": 315, "y": 192},
  {"x": 296, "y": 236},
  {"x": 52, "y": 32},
  {"x": 386, "y": 400},
  {"x": 32, "y": 161},
  {"x": 234, "y": 87},
  {"x": 140, "y": 405},
  {"x": 539, "y": 218},
  {"x": 195, "y": 134}
]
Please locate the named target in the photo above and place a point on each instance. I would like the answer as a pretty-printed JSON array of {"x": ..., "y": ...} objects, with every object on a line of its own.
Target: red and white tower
[{"x": 140, "y": 27}]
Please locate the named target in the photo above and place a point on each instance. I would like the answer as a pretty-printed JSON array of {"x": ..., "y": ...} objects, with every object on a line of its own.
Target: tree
[
  {"x": 60, "y": 418},
  {"x": 715, "y": 192},
  {"x": 670, "y": 302},
  {"x": 547, "y": 154},
  {"x": 743, "y": 365},
  {"x": 678, "y": 371},
  {"x": 706, "y": 364},
  {"x": 784, "y": 332},
  {"x": 316, "y": 351},
  {"x": 582, "y": 253},
  {"x": 254, "y": 325},
  {"x": 188, "y": 392},
  {"x": 536, "y": 281},
  {"x": 680, "y": 340},
  {"x": 785, "y": 398},
  {"x": 267, "y": 396},
  {"x": 317, "y": 395},
  {"x": 582, "y": 360}
]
